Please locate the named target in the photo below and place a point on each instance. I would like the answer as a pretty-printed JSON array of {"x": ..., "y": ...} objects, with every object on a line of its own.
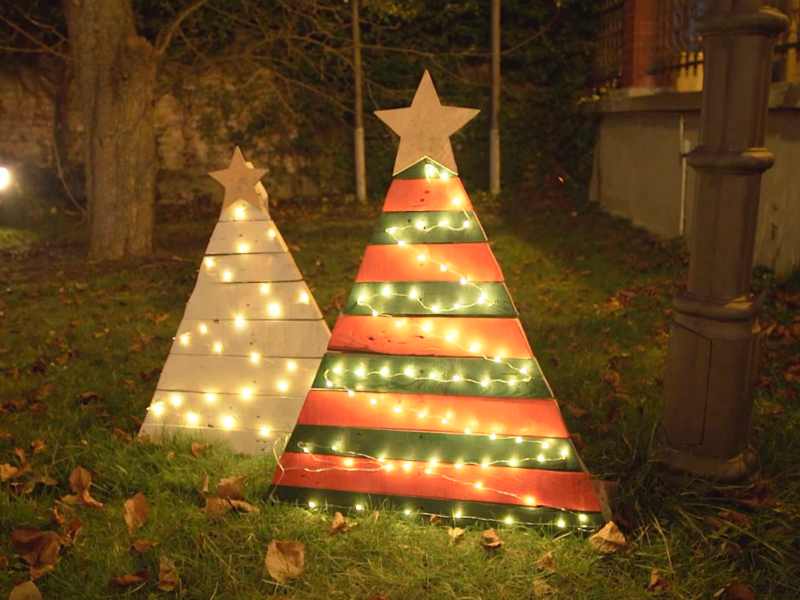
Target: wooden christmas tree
[
  {"x": 429, "y": 396},
  {"x": 252, "y": 335}
]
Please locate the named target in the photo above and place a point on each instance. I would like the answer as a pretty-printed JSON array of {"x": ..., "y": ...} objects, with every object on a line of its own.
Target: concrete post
[
  {"x": 358, "y": 132},
  {"x": 713, "y": 347},
  {"x": 494, "y": 130}
]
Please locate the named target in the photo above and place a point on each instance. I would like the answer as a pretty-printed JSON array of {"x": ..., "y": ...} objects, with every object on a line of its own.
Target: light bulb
[
  {"x": 210, "y": 397},
  {"x": 463, "y": 280},
  {"x": 444, "y": 222},
  {"x": 561, "y": 523},
  {"x": 512, "y": 382},
  {"x": 582, "y": 518},
  {"x": 493, "y": 436},
  {"x": 264, "y": 431},
  {"x": 518, "y": 439},
  {"x": 485, "y": 463},
  {"x": 184, "y": 339},
  {"x": 304, "y": 298},
  {"x": 399, "y": 323},
  {"x": 239, "y": 212},
  {"x": 228, "y": 422},
  {"x": 436, "y": 308},
  {"x": 217, "y": 347},
  {"x": 312, "y": 504},
  {"x": 157, "y": 408},
  {"x": 457, "y": 201},
  {"x": 291, "y": 366},
  {"x": 422, "y": 413},
  {"x": 564, "y": 452},
  {"x": 246, "y": 393},
  {"x": 192, "y": 419},
  {"x": 374, "y": 313},
  {"x": 435, "y": 375},
  {"x": 509, "y": 520},
  {"x": 427, "y": 327},
  {"x": 348, "y": 462},
  {"x": 422, "y": 258},
  {"x": 361, "y": 371},
  {"x": 391, "y": 230},
  {"x": 458, "y": 514},
  {"x": 478, "y": 485},
  {"x": 283, "y": 386},
  {"x": 485, "y": 382},
  {"x": 420, "y": 224},
  {"x": 513, "y": 461},
  {"x": 430, "y": 171},
  {"x": 255, "y": 358},
  {"x": 388, "y": 468},
  {"x": 272, "y": 234},
  {"x": 524, "y": 369},
  {"x": 386, "y": 291},
  {"x": 413, "y": 293},
  {"x": 373, "y": 401},
  {"x": 451, "y": 336},
  {"x": 264, "y": 289},
  {"x": 359, "y": 507},
  {"x": 475, "y": 347},
  {"x": 209, "y": 262},
  {"x": 407, "y": 466},
  {"x": 274, "y": 309},
  {"x": 456, "y": 378},
  {"x": 239, "y": 321},
  {"x": 384, "y": 371},
  {"x": 397, "y": 409},
  {"x": 243, "y": 247},
  {"x": 444, "y": 175},
  {"x": 459, "y": 465},
  {"x": 443, "y": 268},
  {"x": 176, "y": 400},
  {"x": 407, "y": 511},
  {"x": 530, "y": 500},
  {"x": 466, "y": 224},
  {"x": 203, "y": 328},
  {"x": 482, "y": 299},
  {"x": 409, "y": 371},
  {"x": 540, "y": 458},
  {"x": 338, "y": 368},
  {"x": 227, "y": 275}
]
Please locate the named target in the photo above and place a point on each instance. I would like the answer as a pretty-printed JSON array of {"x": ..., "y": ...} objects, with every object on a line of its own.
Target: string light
[
  {"x": 255, "y": 358},
  {"x": 227, "y": 275},
  {"x": 239, "y": 213},
  {"x": 157, "y": 408},
  {"x": 283, "y": 386},
  {"x": 272, "y": 234},
  {"x": 239, "y": 321},
  {"x": 228, "y": 422},
  {"x": 304, "y": 297},
  {"x": 175, "y": 400},
  {"x": 243, "y": 247},
  {"x": 217, "y": 347},
  {"x": 274, "y": 309},
  {"x": 184, "y": 339},
  {"x": 291, "y": 366},
  {"x": 264, "y": 289},
  {"x": 264, "y": 431},
  {"x": 203, "y": 328},
  {"x": 246, "y": 393},
  {"x": 192, "y": 419},
  {"x": 210, "y": 397}
]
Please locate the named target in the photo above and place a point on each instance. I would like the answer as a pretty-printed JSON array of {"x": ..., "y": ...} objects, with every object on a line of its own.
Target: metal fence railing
[{"x": 610, "y": 42}]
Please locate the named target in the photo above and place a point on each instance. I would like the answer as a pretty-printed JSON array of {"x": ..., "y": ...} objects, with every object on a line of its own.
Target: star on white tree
[
  {"x": 240, "y": 180},
  {"x": 425, "y": 127}
]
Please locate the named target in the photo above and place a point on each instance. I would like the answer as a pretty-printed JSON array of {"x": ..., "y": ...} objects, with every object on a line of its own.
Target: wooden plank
[
  {"x": 429, "y": 262},
  {"x": 243, "y": 211},
  {"x": 426, "y": 194},
  {"x": 307, "y": 339},
  {"x": 237, "y": 375},
  {"x": 245, "y": 237},
  {"x": 276, "y": 301},
  {"x": 238, "y": 268}
]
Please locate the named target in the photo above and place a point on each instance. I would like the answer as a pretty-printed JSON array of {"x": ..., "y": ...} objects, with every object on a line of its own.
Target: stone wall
[
  {"x": 199, "y": 118},
  {"x": 639, "y": 172}
]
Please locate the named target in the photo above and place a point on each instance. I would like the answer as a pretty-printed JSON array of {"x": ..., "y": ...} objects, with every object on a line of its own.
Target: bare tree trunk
[
  {"x": 116, "y": 73},
  {"x": 494, "y": 131},
  {"x": 361, "y": 174}
]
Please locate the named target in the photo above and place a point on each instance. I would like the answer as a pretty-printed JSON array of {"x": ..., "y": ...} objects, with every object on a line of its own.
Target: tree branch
[{"x": 164, "y": 38}]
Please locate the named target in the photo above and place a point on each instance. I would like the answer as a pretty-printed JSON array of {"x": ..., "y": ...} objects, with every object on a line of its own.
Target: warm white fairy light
[
  {"x": 175, "y": 400},
  {"x": 157, "y": 408},
  {"x": 184, "y": 339},
  {"x": 192, "y": 419},
  {"x": 264, "y": 289},
  {"x": 202, "y": 328},
  {"x": 274, "y": 309},
  {"x": 303, "y": 297},
  {"x": 561, "y": 523},
  {"x": 242, "y": 247},
  {"x": 210, "y": 397},
  {"x": 209, "y": 262},
  {"x": 255, "y": 357},
  {"x": 509, "y": 520},
  {"x": 458, "y": 514},
  {"x": 217, "y": 347},
  {"x": 457, "y": 201},
  {"x": 312, "y": 504},
  {"x": 246, "y": 393},
  {"x": 239, "y": 213},
  {"x": 228, "y": 422},
  {"x": 282, "y": 385},
  {"x": 359, "y": 507},
  {"x": 430, "y": 171},
  {"x": 421, "y": 225},
  {"x": 239, "y": 321},
  {"x": 227, "y": 275},
  {"x": 264, "y": 431},
  {"x": 272, "y": 234},
  {"x": 291, "y": 366}
]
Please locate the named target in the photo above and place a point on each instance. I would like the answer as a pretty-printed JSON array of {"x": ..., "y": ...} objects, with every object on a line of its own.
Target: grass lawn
[{"x": 82, "y": 344}]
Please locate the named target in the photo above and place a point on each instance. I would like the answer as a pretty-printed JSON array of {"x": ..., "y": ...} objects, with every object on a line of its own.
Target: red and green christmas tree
[{"x": 429, "y": 397}]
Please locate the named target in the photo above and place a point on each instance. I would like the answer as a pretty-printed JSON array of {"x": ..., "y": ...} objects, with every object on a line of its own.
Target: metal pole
[
  {"x": 360, "y": 162},
  {"x": 712, "y": 362},
  {"x": 494, "y": 131}
]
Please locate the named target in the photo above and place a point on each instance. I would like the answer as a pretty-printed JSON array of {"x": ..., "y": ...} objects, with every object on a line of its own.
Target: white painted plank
[
  {"x": 307, "y": 339},
  {"x": 245, "y": 237},
  {"x": 278, "y": 300},
  {"x": 234, "y": 374},
  {"x": 243, "y": 211},
  {"x": 237, "y": 268}
]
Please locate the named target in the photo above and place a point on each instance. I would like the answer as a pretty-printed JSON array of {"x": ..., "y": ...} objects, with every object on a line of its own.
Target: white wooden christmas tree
[{"x": 251, "y": 337}]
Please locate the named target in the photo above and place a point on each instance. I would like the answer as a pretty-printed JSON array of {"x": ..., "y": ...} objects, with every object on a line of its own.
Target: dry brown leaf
[
  {"x": 135, "y": 512},
  {"x": 242, "y": 506},
  {"x": 25, "y": 591},
  {"x": 490, "y": 539},
  {"x": 70, "y": 532},
  {"x": 736, "y": 591},
  {"x": 131, "y": 579},
  {"x": 456, "y": 534},
  {"x": 80, "y": 480},
  {"x": 38, "y": 446},
  {"x": 56, "y": 516},
  {"x": 122, "y": 435},
  {"x": 8, "y": 471},
  {"x": 285, "y": 560},
  {"x": 231, "y": 487},
  {"x": 216, "y": 507},
  {"x": 198, "y": 449},
  {"x": 39, "y": 549},
  {"x": 141, "y": 546},
  {"x": 339, "y": 524},
  {"x": 168, "y": 578},
  {"x": 609, "y": 539},
  {"x": 657, "y": 582},
  {"x": 542, "y": 589},
  {"x": 546, "y": 562}
]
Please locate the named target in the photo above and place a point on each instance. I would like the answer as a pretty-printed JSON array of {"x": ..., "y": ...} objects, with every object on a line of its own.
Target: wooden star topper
[
  {"x": 425, "y": 127},
  {"x": 241, "y": 182}
]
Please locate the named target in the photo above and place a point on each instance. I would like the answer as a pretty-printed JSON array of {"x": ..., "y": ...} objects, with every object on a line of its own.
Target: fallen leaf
[
  {"x": 490, "y": 539},
  {"x": 39, "y": 549},
  {"x": 8, "y": 471},
  {"x": 80, "y": 480},
  {"x": 56, "y": 516},
  {"x": 70, "y": 532},
  {"x": 135, "y": 512},
  {"x": 736, "y": 591},
  {"x": 231, "y": 487},
  {"x": 285, "y": 560},
  {"x": 122, "y": 435},
  {"x": 44, "y": 391},
  {"x": 216, "y": 507},
  {"x": 339, "y": 524},
  {"x": 198, "y": 449},
  {"x": 168, "y": 578},
  {"x": 456, "y": 534},
  {"x": 25, "y": 591},
  {"x": 657, "y": 582},
  {"x": 242, "y": 506},
  {"x": 141, "y": 546},
  {"x": 609, "y": 539},
  {"x": 546, "y": 562},
  {"x": 131, "y": 579},
  {"x": 38, "y": 446},
  {"x": 542, "y": 589}
]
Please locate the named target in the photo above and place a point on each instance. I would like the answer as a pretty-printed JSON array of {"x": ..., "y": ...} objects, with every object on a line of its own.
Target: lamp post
[{"x": 712, "y": 358}]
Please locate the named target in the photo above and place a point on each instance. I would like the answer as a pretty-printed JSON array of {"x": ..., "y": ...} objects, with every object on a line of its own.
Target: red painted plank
[
  {"x": 425, "y": 262},
  {"x": 502, "y": 485},
  {"x": 426, "y": 194},
  {"x": 527, "y": 417},
  {"x": 430, "y": 336}
]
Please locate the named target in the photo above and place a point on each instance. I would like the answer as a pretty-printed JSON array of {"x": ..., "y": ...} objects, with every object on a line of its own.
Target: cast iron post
[{"x": 712, "y": 355}]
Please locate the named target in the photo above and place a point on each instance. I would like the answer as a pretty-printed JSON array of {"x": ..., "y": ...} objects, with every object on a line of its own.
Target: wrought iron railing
[{"x": 610, "y": 42}]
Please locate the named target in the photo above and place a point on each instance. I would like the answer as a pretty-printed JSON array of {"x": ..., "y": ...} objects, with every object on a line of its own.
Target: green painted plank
[
  {"x": 511, "y": 378},
  {"x": 524, "y": 452},
  {"x": 459, "y": 512},
  {"x": 449, "y": 298},
  {"x": 428, "y": 227}
]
